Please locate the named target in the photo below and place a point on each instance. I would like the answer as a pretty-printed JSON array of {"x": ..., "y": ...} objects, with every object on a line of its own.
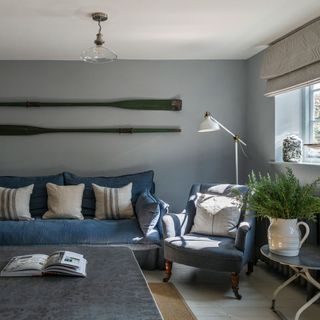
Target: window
[
  {"x": 311, "y": 128},
  {"x": 297, "y": 112}
]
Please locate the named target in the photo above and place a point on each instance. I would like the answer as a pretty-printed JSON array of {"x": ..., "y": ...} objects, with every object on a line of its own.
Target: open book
[{"x": 60, "y": 262}]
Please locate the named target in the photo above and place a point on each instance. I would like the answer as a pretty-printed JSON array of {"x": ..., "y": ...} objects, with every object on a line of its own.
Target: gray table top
[
  {"x": 115, "y": 288},
  {"x": 309, "y": 257}
]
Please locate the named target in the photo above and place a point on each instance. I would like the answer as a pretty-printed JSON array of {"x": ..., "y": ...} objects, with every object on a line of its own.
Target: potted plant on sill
[{"x": 283, "y": 200}]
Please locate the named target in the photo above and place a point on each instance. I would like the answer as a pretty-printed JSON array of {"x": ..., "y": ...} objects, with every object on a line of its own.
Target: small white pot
[{"x": 284, "y": 236}]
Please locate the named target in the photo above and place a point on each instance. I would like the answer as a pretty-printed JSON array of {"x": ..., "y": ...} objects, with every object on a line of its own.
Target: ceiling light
[{"x": 98, "y": 53}]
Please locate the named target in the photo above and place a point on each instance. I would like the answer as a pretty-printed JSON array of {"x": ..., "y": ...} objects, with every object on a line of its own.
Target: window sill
[{"x": 282, "y": 163}]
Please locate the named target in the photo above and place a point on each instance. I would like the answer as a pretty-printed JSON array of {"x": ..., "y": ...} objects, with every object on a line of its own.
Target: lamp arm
[{"x": 235, "y": 136}]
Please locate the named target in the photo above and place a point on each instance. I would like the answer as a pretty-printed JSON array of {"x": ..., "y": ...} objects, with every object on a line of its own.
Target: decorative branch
[
  {"x": 16, "y": 130},
  {"x": 169, "y": 105}
]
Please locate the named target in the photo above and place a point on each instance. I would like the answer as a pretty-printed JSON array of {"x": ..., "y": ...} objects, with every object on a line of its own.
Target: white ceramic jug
[{"x": 284, "y": 236}]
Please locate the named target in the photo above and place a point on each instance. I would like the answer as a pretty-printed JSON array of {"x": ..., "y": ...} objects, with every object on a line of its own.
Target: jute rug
[{"x": 170, "y": 302}]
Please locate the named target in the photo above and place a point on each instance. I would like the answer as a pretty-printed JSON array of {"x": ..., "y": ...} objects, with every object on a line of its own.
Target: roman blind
[{"x": 294, "y": 61}]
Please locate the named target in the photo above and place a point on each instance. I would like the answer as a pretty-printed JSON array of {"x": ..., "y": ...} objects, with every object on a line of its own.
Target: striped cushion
[
  {"x": 113, "y": 203},
  {"x": 15, "y": 203}
]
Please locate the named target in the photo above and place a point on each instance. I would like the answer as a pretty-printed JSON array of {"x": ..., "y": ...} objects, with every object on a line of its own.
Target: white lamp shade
[{"x": 208, "y": 125}]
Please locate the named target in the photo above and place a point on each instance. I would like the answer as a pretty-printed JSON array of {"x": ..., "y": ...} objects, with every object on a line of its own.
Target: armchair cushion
[
  {"x": 226, "y": 190},
  {"x": 216, "y": 215},
  {"x": 208, "y": 252}
]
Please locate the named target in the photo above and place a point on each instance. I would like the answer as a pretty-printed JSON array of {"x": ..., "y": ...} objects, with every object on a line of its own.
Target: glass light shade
[
  {"x": 98, "y": 54},
  {"x": 208, "y": 125}
]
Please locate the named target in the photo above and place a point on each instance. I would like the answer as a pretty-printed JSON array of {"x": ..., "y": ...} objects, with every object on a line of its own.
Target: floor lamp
[{"x": 211, "y": 124}]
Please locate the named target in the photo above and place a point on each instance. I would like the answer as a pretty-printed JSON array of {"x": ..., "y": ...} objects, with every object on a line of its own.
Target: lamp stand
[
  {"x": 211, "y": 124},
  {"x": 236, "y": 141}
]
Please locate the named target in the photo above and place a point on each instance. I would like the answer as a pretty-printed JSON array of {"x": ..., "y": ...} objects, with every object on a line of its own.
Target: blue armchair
[{"x": 209, "y": 252}]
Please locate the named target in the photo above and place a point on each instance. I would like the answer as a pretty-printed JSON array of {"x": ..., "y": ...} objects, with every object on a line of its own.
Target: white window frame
[{"x": 308, "y": 123}]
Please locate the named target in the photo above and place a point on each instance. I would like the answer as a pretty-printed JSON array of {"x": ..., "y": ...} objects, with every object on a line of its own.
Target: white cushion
[
  {"x": 113, "y": 203},
  {"x": 15, "y": 203},
  {"x": 64, "y": 202},
  {"x": 216, "y": 215}
]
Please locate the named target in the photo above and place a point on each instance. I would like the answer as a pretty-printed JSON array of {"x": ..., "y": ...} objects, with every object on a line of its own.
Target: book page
[
  {"x": 27, "y": 262},
  {"x": 65, "y": 258},
  {"x": 72, "y": 259},
  {"x": 54, "y": 258},
  {"x": 68, "y": 270}
]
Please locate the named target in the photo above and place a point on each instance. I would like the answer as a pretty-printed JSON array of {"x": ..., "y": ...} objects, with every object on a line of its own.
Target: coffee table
[{"x": 114, "y": 289}]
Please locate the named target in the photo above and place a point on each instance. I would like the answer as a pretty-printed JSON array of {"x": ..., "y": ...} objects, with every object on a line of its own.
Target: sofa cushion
[
  {"x": 140, "y": 182},
  {"x": 64, "y": 202},
  {"x": 147, "y": 211},
  {"x": 38, "y": 200},
  {"x": 216, "y": 253},
  {"x": 88, "y": 231},
  {"x": 164, "y": 209},
  {"x": 113, "y": 203},
  {"x": 15, "y": 203}
]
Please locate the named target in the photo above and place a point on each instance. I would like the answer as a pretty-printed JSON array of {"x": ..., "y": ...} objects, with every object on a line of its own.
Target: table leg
[
  {"x": 304, "y": 272},
  {"x": 310, "y": 279},
  {"x": 307, "y": 305},
  {"x": 276, "y": 292}
]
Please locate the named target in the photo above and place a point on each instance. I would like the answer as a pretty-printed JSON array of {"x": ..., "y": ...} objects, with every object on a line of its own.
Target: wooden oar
[
  {"x": 169, "y": 105},
  {"x": 16, "y": 130}
]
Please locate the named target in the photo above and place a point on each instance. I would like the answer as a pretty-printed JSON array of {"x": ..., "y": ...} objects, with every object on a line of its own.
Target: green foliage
[{"x": 283, "y": 197}]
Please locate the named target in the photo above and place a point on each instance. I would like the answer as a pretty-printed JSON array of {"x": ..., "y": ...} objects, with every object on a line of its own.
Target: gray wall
[
  {"x": 260, "y": 121},
  {"x": 177, "y": 159}
]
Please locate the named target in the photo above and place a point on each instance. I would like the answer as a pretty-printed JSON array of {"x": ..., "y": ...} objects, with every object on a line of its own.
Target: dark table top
[
  {"x": 309, "y": 257},
  {"x": 115, "y": 288}
]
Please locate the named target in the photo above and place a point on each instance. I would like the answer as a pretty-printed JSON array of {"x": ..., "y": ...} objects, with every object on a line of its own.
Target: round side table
[{"x": 308, "y": 259}]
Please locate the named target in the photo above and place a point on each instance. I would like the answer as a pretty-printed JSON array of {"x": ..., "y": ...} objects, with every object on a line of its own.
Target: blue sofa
[{"x": 148, "y": 249}]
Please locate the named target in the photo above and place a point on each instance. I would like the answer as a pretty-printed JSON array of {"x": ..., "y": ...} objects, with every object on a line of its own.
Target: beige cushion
[
  {"x": 15, "y": 203},
  {"x": 64, "y": 202},
  {"x": 216, "y": 215},
  {"x": 113, "y": 203}
]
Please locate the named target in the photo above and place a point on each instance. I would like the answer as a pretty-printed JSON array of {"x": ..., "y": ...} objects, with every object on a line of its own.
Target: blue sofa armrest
[
  {"x": 245, "y": 236},
  {"x": 174, "y": 224}
]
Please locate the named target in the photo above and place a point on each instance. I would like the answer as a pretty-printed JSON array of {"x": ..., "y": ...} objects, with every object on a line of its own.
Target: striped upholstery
[
  {"x": 15, "y": 203},
  {"x": 113, "y": 203}
]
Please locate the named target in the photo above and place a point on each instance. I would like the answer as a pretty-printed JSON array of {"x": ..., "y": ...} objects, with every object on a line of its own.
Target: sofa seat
[
  {"x": 217, "y": 253},
  {"x": 88, "y": 231}
]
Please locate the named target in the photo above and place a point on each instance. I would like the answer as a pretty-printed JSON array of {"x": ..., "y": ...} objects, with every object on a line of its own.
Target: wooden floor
[{"x": 209, "y": 296}]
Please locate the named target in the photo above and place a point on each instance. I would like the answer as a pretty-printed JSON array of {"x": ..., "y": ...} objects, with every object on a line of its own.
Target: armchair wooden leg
[
  {"x": 235, "y": 284},
  {"x": 168, "y": 268},
  {"x": 250, "y": 267}
]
